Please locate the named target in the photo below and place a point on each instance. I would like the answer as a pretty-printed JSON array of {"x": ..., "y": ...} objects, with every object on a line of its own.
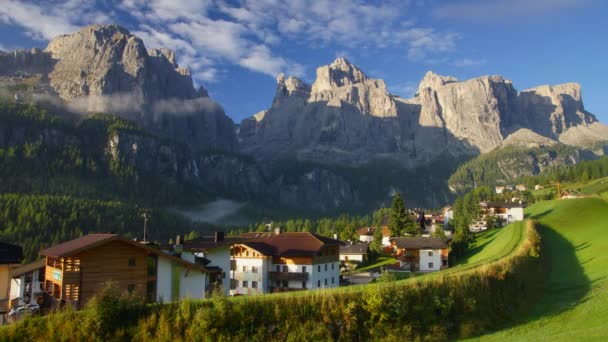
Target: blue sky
[{"x": 236, "y": 48}]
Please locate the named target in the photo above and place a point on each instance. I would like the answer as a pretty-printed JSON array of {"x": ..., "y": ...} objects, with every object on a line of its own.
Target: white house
[
  {"x": 420, "y": 254},
  {"x": 366, "y": 234},
  {"x": 504, "y": 212},
  {"x": 499, "y": 189},
  {"x": 357, "y": 252},
  {"x": 284, "y": 262}
]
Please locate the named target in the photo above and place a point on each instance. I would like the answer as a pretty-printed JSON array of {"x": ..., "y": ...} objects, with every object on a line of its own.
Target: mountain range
[{"x": 342, "y": 142}]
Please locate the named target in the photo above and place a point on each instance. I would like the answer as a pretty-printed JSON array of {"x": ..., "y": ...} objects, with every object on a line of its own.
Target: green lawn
[
  {"x": 376, "y": 264},
  {"x": 574, "y": 306},
  {"x": 596, "y": 186},
  {"x": 493, "y": 244}
]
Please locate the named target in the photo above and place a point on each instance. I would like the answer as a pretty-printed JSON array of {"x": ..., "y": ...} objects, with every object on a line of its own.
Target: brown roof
[
  {"x": 290, "y": 244},
  {"x": 370, "y": 231},
  {"x": 38, "y": 264},
  {"x": 94, "y": 240},
  {"x": 419, "y": 243},
  {"x": 205, "y": 243}
]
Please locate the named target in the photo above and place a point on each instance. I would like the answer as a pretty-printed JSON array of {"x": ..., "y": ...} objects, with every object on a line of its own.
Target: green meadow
[{"x": 574, "y": 303}]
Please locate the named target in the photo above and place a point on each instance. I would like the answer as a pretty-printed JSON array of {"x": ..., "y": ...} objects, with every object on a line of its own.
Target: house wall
[
  {"x": 425, "y": 259},
  {"x": 16, "y": 289},
  {"x": 352, "y": 257},
  {"x": 164, "y": 280},
  {"x": 366, "y": 238},
  {"x": 261, "y": 276},
  {"x": 220, "y": 257},
  {"x": 4, "y": 281},
  {"x": 515, "y": 214},
  {"x": 192, "y": 283},
  {"x": 321, "y": 273},
  {"x": 109, "y": 262}
]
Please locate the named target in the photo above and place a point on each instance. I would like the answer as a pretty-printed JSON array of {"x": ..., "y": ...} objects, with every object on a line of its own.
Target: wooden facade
[{"x": 78, "y": 277}]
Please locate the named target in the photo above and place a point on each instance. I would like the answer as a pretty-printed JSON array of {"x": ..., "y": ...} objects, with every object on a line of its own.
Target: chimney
[
  {"x": 178, "y": 248},
  {"x": 218, "y": 236},
  {"x": 277, "y": 231}
]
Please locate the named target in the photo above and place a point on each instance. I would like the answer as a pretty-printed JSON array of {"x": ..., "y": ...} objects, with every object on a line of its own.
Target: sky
[{"x": 235, "y": 49}]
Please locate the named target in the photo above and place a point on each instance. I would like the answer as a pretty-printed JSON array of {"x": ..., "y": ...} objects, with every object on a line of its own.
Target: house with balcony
[
  {"x": 278, "y": 262},
  {"x": 505, "y": 213},
  {"x": 77, "y": 270},
  {"x": 420, "y": 254}
]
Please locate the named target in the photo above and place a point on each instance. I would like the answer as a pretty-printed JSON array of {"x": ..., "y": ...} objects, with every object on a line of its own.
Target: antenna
[{"x": 145, "y": 215}]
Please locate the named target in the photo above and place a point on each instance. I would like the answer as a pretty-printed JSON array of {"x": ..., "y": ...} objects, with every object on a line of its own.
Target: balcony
[{"x": 302, "y": 276}]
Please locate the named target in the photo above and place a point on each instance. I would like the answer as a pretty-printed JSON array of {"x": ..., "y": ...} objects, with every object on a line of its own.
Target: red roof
[{"x": 290, "y": 244}]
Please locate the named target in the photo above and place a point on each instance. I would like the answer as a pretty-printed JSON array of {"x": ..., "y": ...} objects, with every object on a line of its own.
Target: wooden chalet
[
  {"x": 77, "y": 270},
  {"x": 420, "y": 254}
]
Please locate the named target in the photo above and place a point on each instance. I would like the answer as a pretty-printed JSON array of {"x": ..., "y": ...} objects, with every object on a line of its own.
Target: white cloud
[
  {"x": 498, "y": 10},
  {"x": 468, "y": 62},
  {"x": 52, "y": 20}
]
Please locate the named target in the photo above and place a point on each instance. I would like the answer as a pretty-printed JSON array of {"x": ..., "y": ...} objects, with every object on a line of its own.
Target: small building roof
[
  {"x": 419, "y": 243},
  {"x": 357, "y": 248},
  {"x": 290, "y": 244},
  {"x": 94, "y": 240},
  {"x": 369, "y": 231},
  {"x": 10, "y": 254},
  {"x": 205, "y": 243},
  {"x": 38, "y": 264}
]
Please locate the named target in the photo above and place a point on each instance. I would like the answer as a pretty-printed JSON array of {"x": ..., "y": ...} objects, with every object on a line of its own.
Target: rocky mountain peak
[
  {"x": 434, "y": 81},
  {"x": 337, "y": 74}
]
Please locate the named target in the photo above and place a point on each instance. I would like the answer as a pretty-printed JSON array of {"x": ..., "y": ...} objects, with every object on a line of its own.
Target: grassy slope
[
  {"x": 597, "y": 186},
  {"x": 575, "y": 303},
  {"x": 493, "y": 244}
]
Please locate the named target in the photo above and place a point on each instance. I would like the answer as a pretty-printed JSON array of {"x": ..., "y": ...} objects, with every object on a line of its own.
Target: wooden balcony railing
[{"x": 302, "y": 276}]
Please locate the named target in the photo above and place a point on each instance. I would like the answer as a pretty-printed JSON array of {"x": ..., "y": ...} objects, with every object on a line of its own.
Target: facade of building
[
  {"x": 27, "y": 284},
  {"x": 505, "y": 213},
  {"x": 10, "y": 258},
  {"x": 420, "y": 254},
  {"x": 76, "y": 270},
  {"x": 280, "y": 262},
  {"x": 366, "y": 234}
]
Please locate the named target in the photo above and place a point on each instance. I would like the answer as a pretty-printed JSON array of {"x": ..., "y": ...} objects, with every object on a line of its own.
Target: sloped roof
[
  {"x": 290, "y": 244},
  {"x": 10, "y": 254},
  {"x": 357, "y": 248},
  {"x": 370, "y": 231},
  {"x": 38, "y": 264},
  {"x": 419, "y": 243},
  {"x": 94, "y": 240},
  {"x": 205, "y": 243}
]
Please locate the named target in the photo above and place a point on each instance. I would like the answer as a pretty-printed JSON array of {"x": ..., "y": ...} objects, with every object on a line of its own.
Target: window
[
  {"x": 285, "y": 268},
  {"x": 245, "y": 285},
  {"x": 332, "y": 267},
  {"x": 304, "y": 285},
  {"x": 130, "y": 288},
  {"x": 319, "y": 268},
  {"x": 254, "y": 284},
  {"x": 430, "y": 265},
  {"x": 325, "y": 281},
  {"x": 325, "y": 267},
  {"x": 318, "y": 283},
  {"x": 430, "y": 253},
  {"x": 244, "y": 268},
  {"x": 132, "y": 261},
  {"x": 333, "y": 280},
  {"x": 233, "y": 283},
  {"x": 246, "y": 253},
  {"x": 151, "y": 262},
  {"x": 303, "y": 268},
  {"x": 254, "y": 269},
  {"x": 278, "y": 268},
  {"x": 285, "y": 284}
]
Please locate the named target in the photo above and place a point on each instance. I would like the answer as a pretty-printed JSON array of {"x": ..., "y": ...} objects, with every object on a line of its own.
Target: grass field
[
  {"x": 493, "y": 244},
  {"x": 574, "y": 305},
  {"x": 596, "y": 186}
]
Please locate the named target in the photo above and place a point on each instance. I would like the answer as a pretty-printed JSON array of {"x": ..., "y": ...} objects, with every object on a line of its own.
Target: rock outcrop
[
  {"x": 104, "y": 68},
  {"x": 349, "y": 118}
]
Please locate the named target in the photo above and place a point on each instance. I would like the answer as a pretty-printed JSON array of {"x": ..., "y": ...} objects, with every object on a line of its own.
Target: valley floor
[{"x": 574, "y": 305}]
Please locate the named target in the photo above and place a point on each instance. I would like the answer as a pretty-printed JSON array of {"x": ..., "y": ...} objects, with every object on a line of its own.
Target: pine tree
[
  {"x": 398, "y": 216},
  {"x": 376, "y": 244}
]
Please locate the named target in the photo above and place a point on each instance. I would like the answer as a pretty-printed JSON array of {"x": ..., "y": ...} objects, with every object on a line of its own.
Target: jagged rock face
[
  {"x": 104, "y": 68},
  {"x": 527, "y": 138},
  {"x": 552, "y": 110},
  {"x": 347, "y": 117}
]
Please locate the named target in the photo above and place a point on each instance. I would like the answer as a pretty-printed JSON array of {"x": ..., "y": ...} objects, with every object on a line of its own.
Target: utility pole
[{"x": 145, "y": 215}]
